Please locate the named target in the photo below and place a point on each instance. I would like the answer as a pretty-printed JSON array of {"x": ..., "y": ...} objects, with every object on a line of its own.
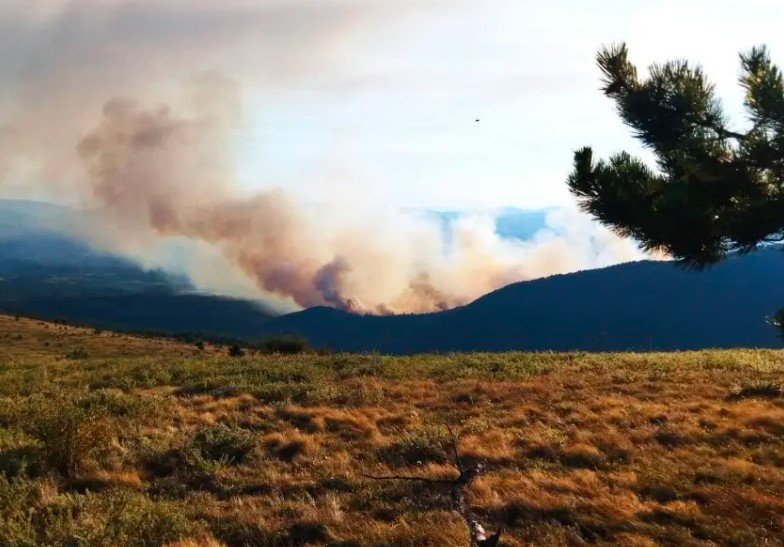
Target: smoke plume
[
  {"x": 160, "y": 167},
  {"x": 152, "y": 168}
]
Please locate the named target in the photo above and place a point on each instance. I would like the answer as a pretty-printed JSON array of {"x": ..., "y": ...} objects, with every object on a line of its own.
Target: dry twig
[{"x": 477, "y": 535}]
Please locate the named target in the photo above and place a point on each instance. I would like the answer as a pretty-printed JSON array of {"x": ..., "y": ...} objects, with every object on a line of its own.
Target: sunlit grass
[{"x": 142, "y": 441}]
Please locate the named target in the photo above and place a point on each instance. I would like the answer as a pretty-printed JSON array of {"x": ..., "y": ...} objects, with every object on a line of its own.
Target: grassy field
[{"x": 107, "y": 439}]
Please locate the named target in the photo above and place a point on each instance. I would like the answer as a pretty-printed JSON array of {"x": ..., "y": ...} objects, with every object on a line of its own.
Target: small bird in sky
[{"x": 476, "y": 120}]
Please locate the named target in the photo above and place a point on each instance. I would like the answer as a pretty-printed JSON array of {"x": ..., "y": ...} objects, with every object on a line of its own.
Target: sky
[
  {"x": 374, "y": 96},
  {"x": 403, "y": 116},
  {"x": 282, "y": 144}
]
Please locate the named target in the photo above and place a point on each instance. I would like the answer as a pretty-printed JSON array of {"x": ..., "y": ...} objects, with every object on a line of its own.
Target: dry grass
[
  {"x": 31, "y": 337},
  {"x": 201, "y": 449}
]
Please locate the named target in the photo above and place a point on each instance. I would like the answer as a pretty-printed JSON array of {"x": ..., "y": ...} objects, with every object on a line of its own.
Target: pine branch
[{"x": 724, "y": 133}]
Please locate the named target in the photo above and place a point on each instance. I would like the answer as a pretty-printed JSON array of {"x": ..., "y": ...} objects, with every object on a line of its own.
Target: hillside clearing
[{"x": 144, "y": 441}]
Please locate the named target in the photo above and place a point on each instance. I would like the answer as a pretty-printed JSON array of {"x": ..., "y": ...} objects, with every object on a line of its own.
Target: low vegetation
[
  {"x": 156, "y": 442},
  {"x": 287, "y": 345}
]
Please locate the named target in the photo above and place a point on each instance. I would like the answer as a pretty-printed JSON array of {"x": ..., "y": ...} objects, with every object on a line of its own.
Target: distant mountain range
[{"x": 636, "y": 306}]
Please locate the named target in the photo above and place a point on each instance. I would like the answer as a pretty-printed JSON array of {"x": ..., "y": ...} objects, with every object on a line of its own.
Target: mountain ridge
[
  {"x": 645, "y": 305},
  {"x": 633, "y": 306}
]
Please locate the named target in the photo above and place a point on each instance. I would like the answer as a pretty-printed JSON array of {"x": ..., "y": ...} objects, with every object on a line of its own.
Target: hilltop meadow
[{"x": 110, "y": 439}]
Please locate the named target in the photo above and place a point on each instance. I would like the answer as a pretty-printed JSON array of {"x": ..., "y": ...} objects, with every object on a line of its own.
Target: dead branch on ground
[{"x": 478, "y": 537}]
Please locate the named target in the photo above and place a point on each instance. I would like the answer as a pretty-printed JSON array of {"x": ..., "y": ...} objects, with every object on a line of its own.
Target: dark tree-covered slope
[
  {"x": 48, "y": 274},
  {"x": 643, "y": 305}
]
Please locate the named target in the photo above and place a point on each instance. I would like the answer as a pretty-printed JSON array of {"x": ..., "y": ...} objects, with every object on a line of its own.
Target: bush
[
  {"x": 70, "y": 434},
  {"x": 119, "y": 404},
  {"x": 417, "y": 447},
  {"x": 134, "y": 519},
  {"x": 288, "y": 345},
  {"x": 77, "y": 354},
  {"x": 236, "y": 351},
  {"x": 108, "y": 518},
  {"x": 222, "y": 444}
]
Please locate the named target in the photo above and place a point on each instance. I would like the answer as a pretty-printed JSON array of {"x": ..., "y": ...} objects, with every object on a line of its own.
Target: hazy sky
[
  {"x": 377, "y": 95},
  {"x": 401, "y": 116}
]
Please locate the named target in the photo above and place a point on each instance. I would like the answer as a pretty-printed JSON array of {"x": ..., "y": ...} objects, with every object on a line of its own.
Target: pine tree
[{"x": 714, "y": 190}]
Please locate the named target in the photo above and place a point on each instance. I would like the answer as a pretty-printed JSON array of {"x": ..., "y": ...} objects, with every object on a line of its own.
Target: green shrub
[
  {"x": 222, "y": 444},
  {"x": 134, "y": 519},
  {"x": 117, "y": 403},
  {"x": 77, "y": 354},
  {"x": 285, "y": 345},
  {"x": 28, "y": 518},
  {"x": 424, "y": 445},
  {"x": 69, "y": 433},
  {"x": 294, "y": 392}
]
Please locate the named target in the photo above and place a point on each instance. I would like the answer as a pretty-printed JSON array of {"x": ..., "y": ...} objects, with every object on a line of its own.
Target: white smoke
[{"x": 158, "y": 171}]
